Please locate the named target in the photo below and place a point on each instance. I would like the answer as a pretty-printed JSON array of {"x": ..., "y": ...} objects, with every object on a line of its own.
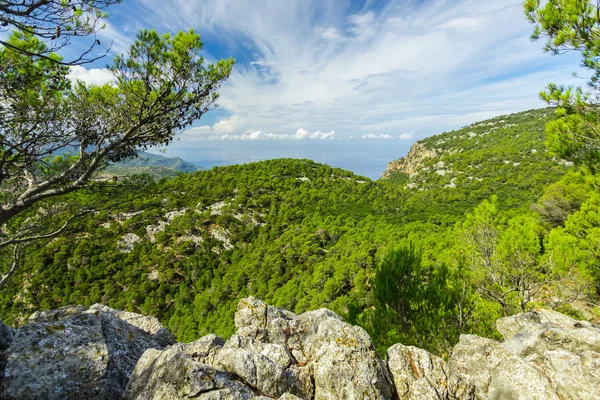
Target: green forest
[{"x": 415, "y": 259}]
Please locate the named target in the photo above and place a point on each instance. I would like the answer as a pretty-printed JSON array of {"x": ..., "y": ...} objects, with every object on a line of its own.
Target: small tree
[
  {"x": 506, "y": 260},
  {"x": 414, "y": 304}
]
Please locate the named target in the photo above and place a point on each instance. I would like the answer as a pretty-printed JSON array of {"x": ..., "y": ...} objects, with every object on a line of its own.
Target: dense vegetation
[{"x": 504, "y": 228}]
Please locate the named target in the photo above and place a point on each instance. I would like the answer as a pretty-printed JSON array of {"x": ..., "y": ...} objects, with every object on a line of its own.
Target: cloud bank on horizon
[{"x": 394, "y": 69}]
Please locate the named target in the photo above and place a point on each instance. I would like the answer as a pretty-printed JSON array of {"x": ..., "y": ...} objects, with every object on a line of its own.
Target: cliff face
[
  {"x": 101, "y": 353},
  {"x": 411, "y": 163}
]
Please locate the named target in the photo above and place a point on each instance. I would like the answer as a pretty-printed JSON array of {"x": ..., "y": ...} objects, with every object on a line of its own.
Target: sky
[{"x": 366, "y": 70}]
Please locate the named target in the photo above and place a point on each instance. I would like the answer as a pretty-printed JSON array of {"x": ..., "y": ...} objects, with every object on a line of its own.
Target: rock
[
  {"x": 71, "y": 353},
  {"x": 564, "y": 350},
  {"x": 274, "y": 353},
  {"x": 412, "y": 162},
  {"x": 6, "y": 338},
  {"x": 149, "y": 325},
  {"x": 418, "y": 374},
  {"x": 322, "y": 356},
  {"x": 102, "y": 353},
  {"x": 171, "y": 374},
  {"x": 55, "y": 315},
  {"x": 496, "y": 372},
  {"x": 288, "y": 396},
  {"x": 202, "y": 350},
  {"x": 510, "y": 326}
]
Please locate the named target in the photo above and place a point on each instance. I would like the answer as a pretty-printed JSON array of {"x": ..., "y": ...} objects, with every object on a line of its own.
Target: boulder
[
  {"x": 73, "y": 353},
  {"x": 565, "y": 351},
  {"x": 6, "y": 336},
  {"x": 418, "y": 374},
  {"x": 495, "y": 372},
  {"x": 274, "y": 353},
  {"x": 322, "y": 356},
  {"x": 172, "y": 374},
  {"x": 510, "y": 326},
  {"x": 147, "y": 324}
]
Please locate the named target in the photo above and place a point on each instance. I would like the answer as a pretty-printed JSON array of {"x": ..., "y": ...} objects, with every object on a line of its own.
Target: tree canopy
[
  {"x": 56, "y": 135},
  {"x": 572, "y": 25}
]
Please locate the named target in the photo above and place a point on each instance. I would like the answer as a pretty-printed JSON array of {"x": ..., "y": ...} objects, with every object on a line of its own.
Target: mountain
[
  {"x": 153, "y": 164},
  {"x": 303, "y": 236}
]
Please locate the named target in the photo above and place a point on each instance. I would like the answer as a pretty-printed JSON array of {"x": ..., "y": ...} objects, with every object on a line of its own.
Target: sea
[{"x": 364, "y": 157}]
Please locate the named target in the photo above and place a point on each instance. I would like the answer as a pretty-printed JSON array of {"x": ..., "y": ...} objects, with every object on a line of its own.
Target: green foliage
[
  {"x": 414, "y": 304},
  {"x": 56, "y": 137},
  {"x": 571, "y": 25}
]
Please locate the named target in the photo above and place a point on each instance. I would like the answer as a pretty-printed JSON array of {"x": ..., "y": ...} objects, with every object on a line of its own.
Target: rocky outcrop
[
  {"x": 410, "y": 163},
  {"x": 275, "y": 353},
  {"x": 101, "y": 353},
  {"x": 73, "y": 353}
]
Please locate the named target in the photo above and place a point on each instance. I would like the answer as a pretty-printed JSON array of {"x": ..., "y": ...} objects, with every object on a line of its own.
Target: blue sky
[{"x": 325, "y": 69}]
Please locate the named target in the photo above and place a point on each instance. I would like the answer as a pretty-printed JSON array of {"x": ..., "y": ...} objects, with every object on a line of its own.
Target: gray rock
[
  {"x": 101, "y": 353},
  {"x": 72, "y": 354},
  {"x": 203, "y": 350},
  {"x": 287, "y": 396},
  {"x": 173, "y": 375},
  {"x": 55, "y": 315},
  {"x": 510, "y": 326},
  {"x": 419, "y": 374},
  {"x": 312, "y": 355},
  {"x": 564, "y": 350},
  {"x": 496, "y": 372},
  {"x": 147, "y": 324}
]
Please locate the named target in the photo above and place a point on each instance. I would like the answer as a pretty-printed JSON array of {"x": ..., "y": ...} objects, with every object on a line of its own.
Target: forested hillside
[
  {"x": 152, "y": 164},
  {"x": 483, "y": 226}
]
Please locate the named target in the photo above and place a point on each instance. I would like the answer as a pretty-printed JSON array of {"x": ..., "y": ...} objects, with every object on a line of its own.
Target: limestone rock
[
  {"x": 510, "y": 326},
  {"x": 564, "y": 350},
  {"x": 173, "y": 375},
  {"x": 70, "y": 353},
  {"x": 312, "y": 355},
  {"x": 203, "y": 350},
  {"x": 101, "y": 353},
  {"x": 417, "y": 374},
  {"x": 412, "y": 162},
  {"x": 55, "y": 315},
  {"x": 496, "y": 372},
  {"x": 147, "y": 324}
]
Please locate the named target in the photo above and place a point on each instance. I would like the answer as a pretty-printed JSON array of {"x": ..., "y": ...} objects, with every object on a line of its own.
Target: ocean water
[{"x": 362, "y": 156}]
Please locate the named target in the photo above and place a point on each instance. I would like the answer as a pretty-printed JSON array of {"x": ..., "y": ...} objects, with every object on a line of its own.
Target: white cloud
[
  {"x": 207, "y": 133},
  {"x": 374, "y": 136},
  {"x": 409, "y": 66},
  {"x": 92, "y": 76},
  {"x": 406, "y": 136},
  {"x": 197, "y": 133}
]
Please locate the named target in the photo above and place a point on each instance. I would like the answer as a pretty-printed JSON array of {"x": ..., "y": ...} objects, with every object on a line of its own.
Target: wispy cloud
[{"x": 403, "y": 66}]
